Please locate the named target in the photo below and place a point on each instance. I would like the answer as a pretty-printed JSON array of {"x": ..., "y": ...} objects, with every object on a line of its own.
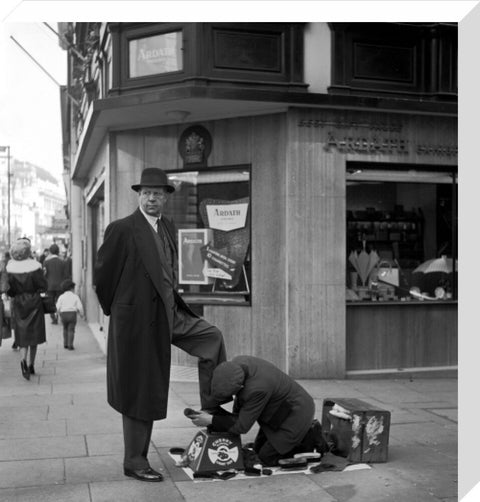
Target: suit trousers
[
  {"x": 136, "y": 437},
  {"x": 201, "y": 339},
  {"x": 54, "y": 294}
]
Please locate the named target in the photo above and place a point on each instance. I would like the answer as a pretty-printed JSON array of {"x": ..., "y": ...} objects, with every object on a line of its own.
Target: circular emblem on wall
[{"x": 195, "y": 145}]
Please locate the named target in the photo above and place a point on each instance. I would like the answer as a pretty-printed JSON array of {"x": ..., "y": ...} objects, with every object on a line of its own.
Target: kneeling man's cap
[{"x": 228, "y": 378}]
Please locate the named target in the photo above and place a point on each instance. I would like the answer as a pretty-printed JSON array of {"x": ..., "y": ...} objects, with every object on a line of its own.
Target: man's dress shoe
[{"x": 144, "y": 474}]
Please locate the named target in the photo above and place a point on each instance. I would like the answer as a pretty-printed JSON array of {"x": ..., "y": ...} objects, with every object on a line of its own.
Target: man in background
[
  {"x": 42, "y": 257},
  {"x": 55, "y": 273}
]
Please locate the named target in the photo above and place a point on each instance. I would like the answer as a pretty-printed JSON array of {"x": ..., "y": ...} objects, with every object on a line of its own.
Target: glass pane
[
  {"x": 211, "y": 210},
  {"x": 401, "y": 239},
  {"x": 155, "y": 55}
]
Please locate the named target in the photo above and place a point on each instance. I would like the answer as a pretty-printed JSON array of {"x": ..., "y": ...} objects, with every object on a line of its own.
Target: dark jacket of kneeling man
[{"x": 263, "y": 393}]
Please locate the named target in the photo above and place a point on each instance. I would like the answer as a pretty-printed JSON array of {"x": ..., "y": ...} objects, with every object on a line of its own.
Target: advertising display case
[{"x": 211, "y": 208}]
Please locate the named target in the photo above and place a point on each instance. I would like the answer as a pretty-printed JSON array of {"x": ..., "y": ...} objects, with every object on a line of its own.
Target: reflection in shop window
[
  {"x": 401, "y": 235},
  {"x": 211, "y": 210}
]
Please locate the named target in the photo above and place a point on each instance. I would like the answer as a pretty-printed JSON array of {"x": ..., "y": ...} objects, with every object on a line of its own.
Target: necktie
[{"x": 163, "y": 236}]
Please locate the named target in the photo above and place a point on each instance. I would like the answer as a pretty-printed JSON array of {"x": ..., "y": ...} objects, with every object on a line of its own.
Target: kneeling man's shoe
[{"x": 147, "y": 474}]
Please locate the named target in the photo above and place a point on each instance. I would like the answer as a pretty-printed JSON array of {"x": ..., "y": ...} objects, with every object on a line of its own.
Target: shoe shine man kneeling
[{"x": 263, "y": 393}]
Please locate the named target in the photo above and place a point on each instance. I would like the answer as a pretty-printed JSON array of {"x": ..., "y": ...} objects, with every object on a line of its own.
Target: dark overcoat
[
  {"x": 55, "y": 272},
  {"x": 265, "y": 394},
  {"x": 25, "y": 283},
  {"x": 131, "y": 290}
]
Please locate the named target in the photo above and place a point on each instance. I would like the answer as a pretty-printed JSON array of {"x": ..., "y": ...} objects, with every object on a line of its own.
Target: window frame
[{"x": 130, "y": 33}]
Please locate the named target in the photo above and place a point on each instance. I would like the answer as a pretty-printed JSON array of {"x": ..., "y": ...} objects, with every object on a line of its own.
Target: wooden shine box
[{"x": 361, "y": 438}]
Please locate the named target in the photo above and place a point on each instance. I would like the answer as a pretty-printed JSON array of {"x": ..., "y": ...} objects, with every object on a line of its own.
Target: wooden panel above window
[
  {"x": 256, "y": 55},
  {"x": 408, "y": 59}
]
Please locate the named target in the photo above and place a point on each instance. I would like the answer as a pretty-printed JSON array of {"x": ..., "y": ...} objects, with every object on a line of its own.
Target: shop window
[
  {"x": 211, "y": 210},
  {"x": 401, "y": 234}
]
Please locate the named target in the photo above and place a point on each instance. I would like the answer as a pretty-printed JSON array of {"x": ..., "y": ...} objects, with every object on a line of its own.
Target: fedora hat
[{"x": 154, "y": 177}]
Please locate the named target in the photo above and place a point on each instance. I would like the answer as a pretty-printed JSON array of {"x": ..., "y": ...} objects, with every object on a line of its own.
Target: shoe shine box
[
  {"x": 214, "y": 451},
  {"x": 360, "y": 431}
]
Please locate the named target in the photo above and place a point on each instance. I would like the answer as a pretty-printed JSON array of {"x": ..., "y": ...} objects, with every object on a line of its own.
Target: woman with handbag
[{"x": 25, "y": 283}]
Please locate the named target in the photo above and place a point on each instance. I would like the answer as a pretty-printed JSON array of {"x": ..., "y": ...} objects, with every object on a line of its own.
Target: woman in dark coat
[
  {"x": 264, "y": 394},
  {"x": 25, "y": 282}
]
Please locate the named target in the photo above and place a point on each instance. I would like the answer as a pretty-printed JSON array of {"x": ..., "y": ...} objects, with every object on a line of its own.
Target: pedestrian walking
[
  {"x": 5, "y": 329},
  {"x": 263, "y": 393},
  {"x": 68, "y": 306},
  {"x": 67, "y": 259},
  {"x": 42, "y": 257},
  {"x": 25, "y": 283},
  {"x": 135, "y": 280},
  {"x": 54, "y": 268}
]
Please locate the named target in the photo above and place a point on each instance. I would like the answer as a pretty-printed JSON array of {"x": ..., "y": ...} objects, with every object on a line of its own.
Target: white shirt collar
[{"x": 151, "y": 219}]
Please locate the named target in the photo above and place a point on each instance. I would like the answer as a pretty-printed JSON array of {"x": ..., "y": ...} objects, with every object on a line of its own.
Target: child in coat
[{"x": 68, "y": 306}]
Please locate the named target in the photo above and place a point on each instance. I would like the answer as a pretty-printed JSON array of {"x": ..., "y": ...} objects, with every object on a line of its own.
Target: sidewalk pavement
[{"x": 60, "y": 440}]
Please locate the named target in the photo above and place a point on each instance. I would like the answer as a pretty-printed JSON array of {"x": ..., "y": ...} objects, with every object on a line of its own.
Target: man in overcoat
[
  {"x": 54, "y": 269},
  {"x": 135, "y": 279},
  {"x": 263, "y": 393}
]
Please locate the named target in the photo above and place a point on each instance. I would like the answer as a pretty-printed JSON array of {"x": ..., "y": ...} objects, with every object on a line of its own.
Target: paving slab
[
  {"x": 24, "y": 473},
  {"x": 93, "y": 425},
  {"x": 409, "y": 416},
  {"x": 284, "y": 488},
  {"x": 135, "y": 491},
  {"x": 441, "y": 416},
  {"x": 32, "y": 399},
  {"x": 78, "y": 410},
  {"x": 23, "y": 412},
  {"x": 105, "y": 444},
  {"x": 96, "y": 468},
  {"x": 77, "y": 388},
  {"x": 22, "y": 387},
  {"x": 449, "y": 413},
  {"x": 56, "y": 493},
  {"x": 424, "y": 467},
  {"x": 423, "y": 433},
  {"x": 41, "y": 448},
  {"x": 370, "y": 486},
  {"x": 32, "y": 429},
  {"x": 91, "y": 401}
]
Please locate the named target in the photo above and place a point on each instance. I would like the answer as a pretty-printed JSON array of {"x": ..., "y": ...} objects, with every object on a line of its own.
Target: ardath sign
[
  {"x": 374, "y": 135},
  {"x": 227, "y": 217}
]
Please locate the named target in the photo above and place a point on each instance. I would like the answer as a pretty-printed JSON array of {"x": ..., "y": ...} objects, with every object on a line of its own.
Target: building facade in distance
[{"x": 37, "y": 204}]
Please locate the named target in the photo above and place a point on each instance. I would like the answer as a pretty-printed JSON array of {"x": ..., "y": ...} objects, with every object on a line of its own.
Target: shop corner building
[{"x": 317, "y": 143}]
